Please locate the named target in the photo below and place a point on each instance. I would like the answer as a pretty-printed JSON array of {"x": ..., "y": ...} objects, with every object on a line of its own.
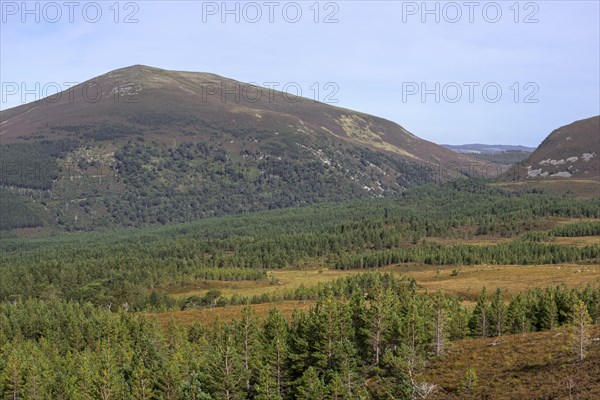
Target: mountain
[
  {"x": 571, "y": 151},
  {"x": 142, "y": 145},
  {"x": 477, "y": 148},
  {"x": 493, "y": 153}
]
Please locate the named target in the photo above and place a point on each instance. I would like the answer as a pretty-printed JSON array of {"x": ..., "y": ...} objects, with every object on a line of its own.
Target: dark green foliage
[
  {"x": 32, "y": 165},
  {"x": 60, "y": 349},
  {"x": 588, "y": 228},
  {"x": 17, "y": 211},
  {"x": 517, "y": 252},
  {"x": 101, "y": 131},
  {"x": 120, "y": 266},
  {"x": 161, "y": 119},
  {"x": 194, "y": 181}
]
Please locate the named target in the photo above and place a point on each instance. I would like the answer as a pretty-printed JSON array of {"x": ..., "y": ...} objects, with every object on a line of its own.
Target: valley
[
  {"x": 187, "y": 249},
  {"x": 522, "y": 261},
  {"x": 253, "y": 201}
]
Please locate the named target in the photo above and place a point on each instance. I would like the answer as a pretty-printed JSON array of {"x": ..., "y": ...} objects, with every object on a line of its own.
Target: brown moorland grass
[
  {"x": 207, "y": 316},
  {"x": 579, "y": 241},
  {"x": 533, "y": 366},
  {"x": 467, "y": 284},
  {"x": 510, "y": 278},
  {"x": 277, "y": 281},
  {"x": 582, "y": 188}
]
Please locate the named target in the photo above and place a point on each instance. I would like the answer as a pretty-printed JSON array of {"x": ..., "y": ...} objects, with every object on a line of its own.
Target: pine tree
[
  {"x": 301, "y": 342},
  {"x": 266, "y": 386},
  {"x": 336, "y": 389},
  {"x": 248, "y": 334},
  {"x": 377, "y": 320},
  {"x": 547, "y": 311},
  {"x": 565, "y": 303},
  {"x": 458, "y": 319},
  {"x": 358, "y": 311},
  {"x": 108, "y": 381},
  {"x": 225, "y": 366},
  {"x": 170, "y": 373},
  {"x": 141, "y": 384},
  {"x": 469, "y": 381},
  {"x": 332, "y": 324},
  {"x": 39, "y": 374},
  {"x": 498, "y": 314},
  {"x": 395, "y": 381},
  {"x": 479, "y": 322},
  {"x": 580, "y": 329},
  {"x": 416, "y": 327},
  {"x": 275, "y": 331},
  {"x": 193, "y": 389},
  {"x": 346, "y": 366},
  {"x": 310, "y": 387},
  {"x": 12, "y": 376},
  {"x": 440, "y": 321},
  {"x": 518, "y": 319}
]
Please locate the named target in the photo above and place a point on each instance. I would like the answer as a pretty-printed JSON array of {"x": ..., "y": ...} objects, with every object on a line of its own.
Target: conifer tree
[
  {"x": 377, "y": 320},
  {"x": 225, "y": 367},
  {"x": 193, "y": 389},
  {"x": 547, "y": 311},
  {"x": 248, "y": 335},
  {"x": 332, "y": 324},
  {"x": 12, "y": 376},
  {"x": 580, "y": 329},
  {"x": 108, "y": 382},
  {"x": 300, "y": 344},
  {"x": 39, "y": 374},
  {"x": 310, "y": 386},
  {"x": 440, "y": 322},
  {"x": 518, "y": 315},
  {"x": 498, "y": 314},
  {"x": 479, "y": 322},
  {"x": 266, "y": 386},
  {"x": 469, "y": 381},
  {"x": 276, "y": 347},
  {"x": 141, "y": 385}
]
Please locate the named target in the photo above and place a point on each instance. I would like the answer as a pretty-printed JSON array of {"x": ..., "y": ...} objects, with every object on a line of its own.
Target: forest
[
  {"x": 135, "y": 266},
  {"x": 366, "y": 337},
  {"x": 75, "y": 308},
  {"x": 96, "y": 179}
]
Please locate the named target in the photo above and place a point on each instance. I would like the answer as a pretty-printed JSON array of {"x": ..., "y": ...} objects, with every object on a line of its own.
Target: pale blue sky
[{"x": 375, "y": 53}]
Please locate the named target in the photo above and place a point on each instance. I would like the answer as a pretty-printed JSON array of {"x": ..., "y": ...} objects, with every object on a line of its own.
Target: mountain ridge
[
  {"x": 486, "y": 148},
  {"x": 141, "y": 145},
  {"x": 346, "y": 124},
  {"x": 571, "y": 151}
]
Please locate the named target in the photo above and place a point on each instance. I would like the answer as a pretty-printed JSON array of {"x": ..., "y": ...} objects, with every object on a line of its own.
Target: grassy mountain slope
[
  {"x": 171, "y": 102},
  {"x": 571, "y": 151},
  {"x": 141, "y": 145},
  {"x": 539, "y": 365}
]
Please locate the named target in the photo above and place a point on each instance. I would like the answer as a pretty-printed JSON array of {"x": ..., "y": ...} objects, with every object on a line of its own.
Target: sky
[{"x": 501, "y": 72}]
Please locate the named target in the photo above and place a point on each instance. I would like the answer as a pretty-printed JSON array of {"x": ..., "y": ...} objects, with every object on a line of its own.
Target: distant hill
[
  {"x": 493, "y": 153},
  {"x": 142, "y": 145},
  {"x": 571, "y": 151},
  {"x": 477, "y": 148}
]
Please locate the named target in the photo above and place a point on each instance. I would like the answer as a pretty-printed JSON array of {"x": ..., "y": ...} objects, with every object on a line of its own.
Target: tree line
[
  {"x": 127, "y": 265},
  {"x": 372, "y": 342}
]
